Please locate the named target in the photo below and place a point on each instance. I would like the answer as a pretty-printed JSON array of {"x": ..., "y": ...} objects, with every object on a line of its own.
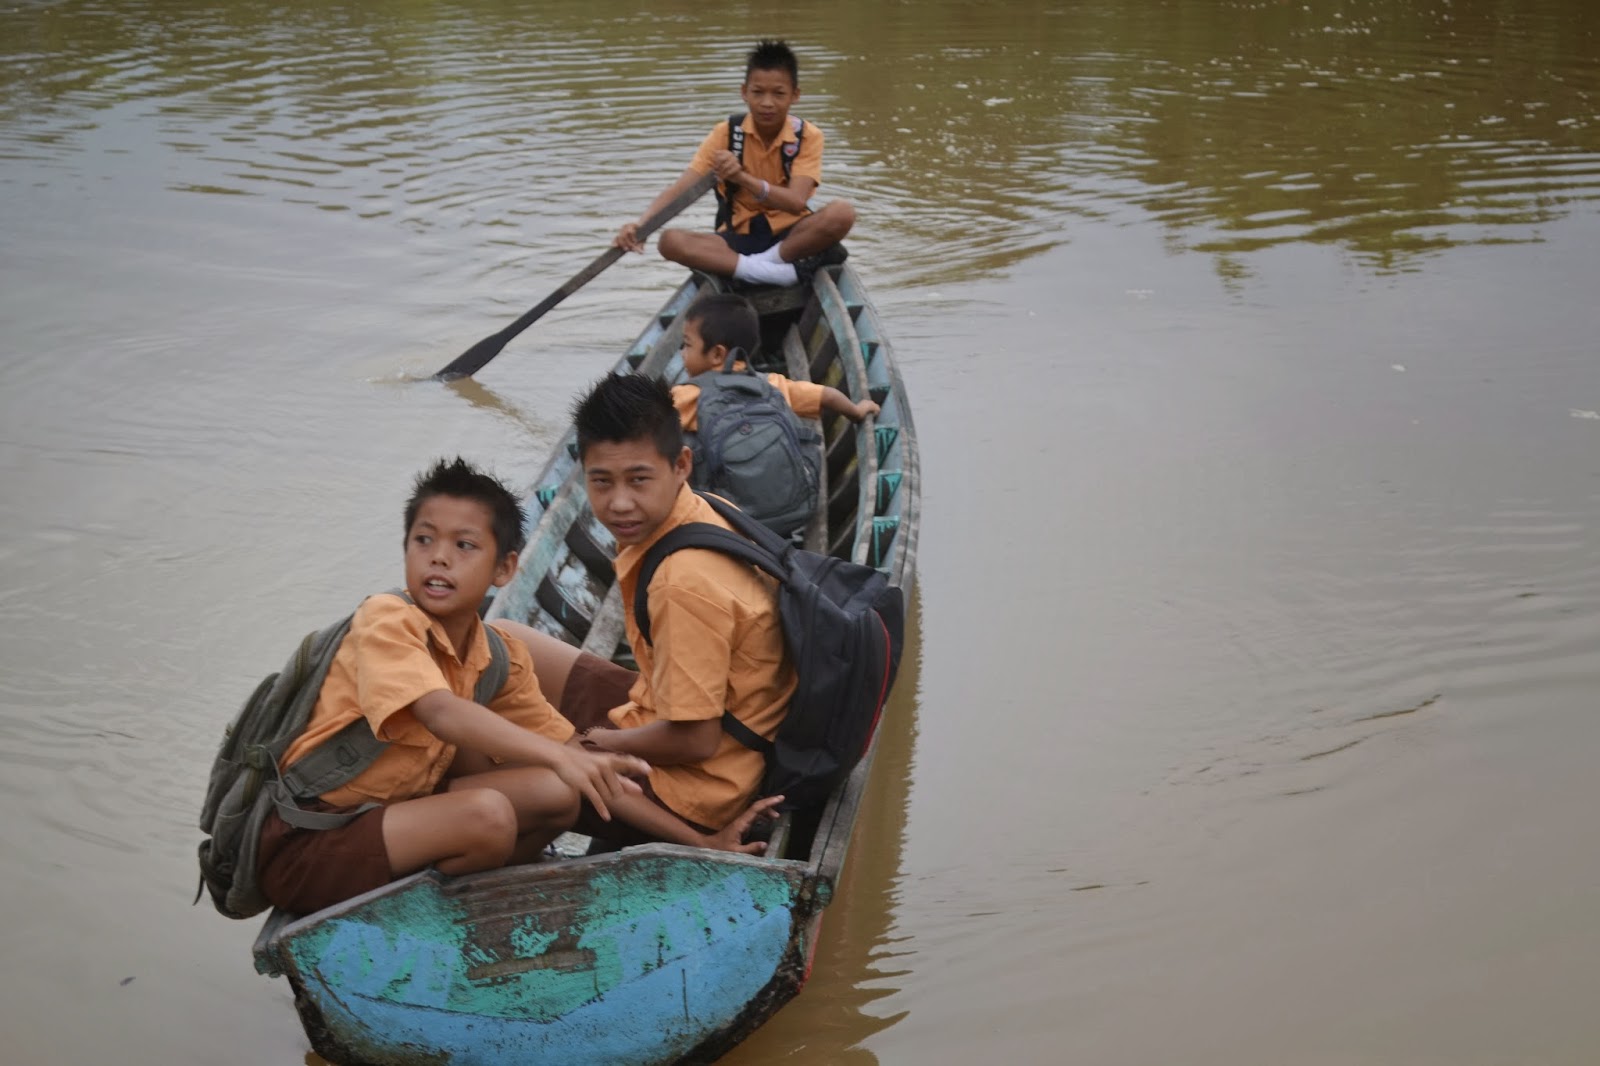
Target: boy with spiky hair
[
  {"x": 768, "y": 169},
  {"x": 461, "y": 786},
  {"x": 718, "y": 639}
]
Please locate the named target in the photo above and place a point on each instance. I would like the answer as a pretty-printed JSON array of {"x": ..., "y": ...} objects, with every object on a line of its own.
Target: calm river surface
[{"x": 1253, "y": 350}]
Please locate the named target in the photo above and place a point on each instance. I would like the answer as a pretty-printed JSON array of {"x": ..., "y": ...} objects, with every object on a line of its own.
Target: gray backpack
[
  {"x": 753, "y": 450},
  {"x": 245, "y": 782}
]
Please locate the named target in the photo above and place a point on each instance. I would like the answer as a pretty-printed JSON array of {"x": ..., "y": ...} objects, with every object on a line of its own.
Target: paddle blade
[{"x": 473, "y": 359}]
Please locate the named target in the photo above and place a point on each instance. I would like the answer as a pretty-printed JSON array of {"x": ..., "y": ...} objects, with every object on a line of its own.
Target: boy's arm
[
  {"x": 472, "y": 726},
  {"x": 837, "y": 402},
  {"x": 792, "y": 198},
  {"x": 804, "y": 176},
  {"x": 693, "y": 623},
  {"x": 627, "y": 237},
  {"x": 662, "y": 742},
  {"x": 643, "y": 814}
]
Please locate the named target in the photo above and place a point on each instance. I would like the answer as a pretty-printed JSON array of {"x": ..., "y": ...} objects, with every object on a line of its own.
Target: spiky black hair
[
  {"x": 628, "y": 407},
  {"x": 460, "y": 479},
  {"x": 773, "y": 55}
]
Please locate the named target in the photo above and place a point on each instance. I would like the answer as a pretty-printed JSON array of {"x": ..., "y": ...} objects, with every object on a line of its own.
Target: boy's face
[
  {"x": 697, "y": 358},
  {"x": 632, "y": 487},
  {"x": 450, "y": 557},
  {"x": 769, "y": 94}
]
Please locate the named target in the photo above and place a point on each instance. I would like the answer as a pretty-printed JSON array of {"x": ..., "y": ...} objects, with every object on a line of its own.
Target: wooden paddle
[{"x": 476, "y": 357}]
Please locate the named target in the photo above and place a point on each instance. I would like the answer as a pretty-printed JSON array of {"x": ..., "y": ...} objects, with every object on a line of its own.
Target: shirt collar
[
  {"x": 477, "y": 643},
  {"x": 790, "y": 132}
]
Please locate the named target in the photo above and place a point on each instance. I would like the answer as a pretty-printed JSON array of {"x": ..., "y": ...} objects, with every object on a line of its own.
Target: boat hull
[{"x": 654, "y": 954}]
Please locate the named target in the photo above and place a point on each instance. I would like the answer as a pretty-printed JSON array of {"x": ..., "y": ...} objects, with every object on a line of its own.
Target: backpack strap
[
  {"x": 695, "y": 535},
  {"x": 493, "y": 678},
  {"x": 736, "y": 146},
  {"x": 714, "y": 538},
  {"x": 777, "y": 546},
  {"x": 745, "y": 735},
  {"x": 341, "y": 759},
  {"x": 724, "y": 194}
]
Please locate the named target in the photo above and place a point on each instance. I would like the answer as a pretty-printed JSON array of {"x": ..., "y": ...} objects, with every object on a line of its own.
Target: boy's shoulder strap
[
  {"x": 799, "y": 125},
  {"x": 724, "y": 194},
  {"x": 736, "y": 140},
  {"x": 493, "y": 678},
  {"x": 342, "y": 757},
  {"x": 736, "y": 146},
  {"x": 698, "y": 535}
]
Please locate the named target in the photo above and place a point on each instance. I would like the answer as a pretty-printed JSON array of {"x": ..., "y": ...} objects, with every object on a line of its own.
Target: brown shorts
[
  {"x": 305, "y": 870},
  {"x": 593, "y": 688}
]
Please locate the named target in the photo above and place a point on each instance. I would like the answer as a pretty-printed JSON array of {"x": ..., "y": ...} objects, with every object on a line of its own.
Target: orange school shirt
[
  {"x": 718, "y": 645},
  {"x": 764, "y": 162},
  {"x": 395, "y": 654},
  {"x": 805, "y": 397}
]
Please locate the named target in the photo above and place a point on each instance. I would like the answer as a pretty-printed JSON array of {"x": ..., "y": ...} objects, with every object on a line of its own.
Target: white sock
[
  {"x": 758, "y": 270},
  {"x": 771, "y": 255}
]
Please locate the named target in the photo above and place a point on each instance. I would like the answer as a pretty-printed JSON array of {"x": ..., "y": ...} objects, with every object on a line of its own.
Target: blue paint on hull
[{"x": 655, "y": 957}]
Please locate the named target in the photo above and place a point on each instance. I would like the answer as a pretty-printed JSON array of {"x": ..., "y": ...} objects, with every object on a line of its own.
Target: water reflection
[
  {"x": 1389, "y": 129},
  {"x": 859, "y": 957}
]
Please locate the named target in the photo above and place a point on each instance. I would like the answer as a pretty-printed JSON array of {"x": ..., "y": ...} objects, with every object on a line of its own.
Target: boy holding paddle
[{"x": 768, "y": 165}]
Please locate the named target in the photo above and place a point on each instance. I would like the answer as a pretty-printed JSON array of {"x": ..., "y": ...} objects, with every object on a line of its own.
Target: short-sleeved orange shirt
[
  {"x": 718, "y": 645},
  {"x": 395, "y": 654},
  {"x": 764, "y": 161},
  {"x": 805, "y": 397}
]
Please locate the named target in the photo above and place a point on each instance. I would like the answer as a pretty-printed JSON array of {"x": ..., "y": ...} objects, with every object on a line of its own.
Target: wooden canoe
[{"x": 652, "y": 954}]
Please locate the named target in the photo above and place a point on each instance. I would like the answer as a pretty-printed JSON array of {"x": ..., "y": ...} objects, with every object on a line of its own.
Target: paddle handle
[{"x": 477, "y": 357}]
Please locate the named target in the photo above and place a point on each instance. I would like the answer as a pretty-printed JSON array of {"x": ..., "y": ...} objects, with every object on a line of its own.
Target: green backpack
[{"x": 245, "y": 782}]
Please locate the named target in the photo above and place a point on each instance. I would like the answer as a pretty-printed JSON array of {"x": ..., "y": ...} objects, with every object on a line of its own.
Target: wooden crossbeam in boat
[
  {"x": 595, "y": 558},
  {"x": 605, "y": 633}
]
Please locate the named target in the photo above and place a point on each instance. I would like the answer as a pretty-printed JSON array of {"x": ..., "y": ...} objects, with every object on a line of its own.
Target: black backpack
[
  {"x": 751, "y": 448},
  {"x": 736, "y": 146},
  {"x": 246, "y": 786},
  {"x": 844, "y": 626}
]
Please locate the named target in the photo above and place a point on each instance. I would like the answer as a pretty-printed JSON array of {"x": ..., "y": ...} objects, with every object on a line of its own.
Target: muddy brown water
[{"x": 1252, "y": 349}]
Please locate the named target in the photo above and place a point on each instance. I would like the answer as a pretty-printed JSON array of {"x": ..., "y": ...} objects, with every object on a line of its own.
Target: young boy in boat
[
  {"x": 718, "y": 640},
  {"x": 722, "y": 322},
  {"x": 765, "y": 227},
  {"x": 461, "y": 786}
]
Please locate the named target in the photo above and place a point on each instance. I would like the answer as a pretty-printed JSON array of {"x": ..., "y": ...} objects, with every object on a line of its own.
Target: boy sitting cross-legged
[
  {"x": 718, "y": 639},
  {"x": 765, "y": 225},
  {"x": 461, "y": 786}
]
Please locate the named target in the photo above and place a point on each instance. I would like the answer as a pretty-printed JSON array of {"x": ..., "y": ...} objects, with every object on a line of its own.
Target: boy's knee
[
  {"x": 840, "y": 216},
  {"x": 488, "y": 821},
  {"x": 563, "y": 807},
  {"x": 671, "y": 244}
]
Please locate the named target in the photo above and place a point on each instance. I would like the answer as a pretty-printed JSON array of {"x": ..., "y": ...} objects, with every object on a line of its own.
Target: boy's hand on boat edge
[{"x": 731, "y": 838}]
